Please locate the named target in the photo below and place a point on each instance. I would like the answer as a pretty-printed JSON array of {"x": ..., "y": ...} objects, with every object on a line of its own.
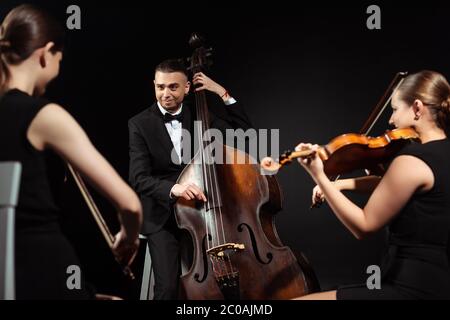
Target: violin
[{"x": 351, "y": 151}]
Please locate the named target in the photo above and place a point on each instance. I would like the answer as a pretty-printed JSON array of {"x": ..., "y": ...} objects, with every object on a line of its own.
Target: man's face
[{"x": 170, "y": 89}]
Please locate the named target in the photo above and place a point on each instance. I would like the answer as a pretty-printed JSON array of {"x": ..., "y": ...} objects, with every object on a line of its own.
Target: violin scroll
[{"x": 272, "y": 166}]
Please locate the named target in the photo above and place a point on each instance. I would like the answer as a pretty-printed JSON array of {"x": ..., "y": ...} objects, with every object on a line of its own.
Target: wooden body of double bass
[{"x": 265, "y": 268}]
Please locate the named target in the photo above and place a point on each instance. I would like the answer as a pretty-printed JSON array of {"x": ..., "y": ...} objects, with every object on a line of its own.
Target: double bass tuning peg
[
  {"x": 209, "y": 52},
  {"x": 208, "y": 55}
]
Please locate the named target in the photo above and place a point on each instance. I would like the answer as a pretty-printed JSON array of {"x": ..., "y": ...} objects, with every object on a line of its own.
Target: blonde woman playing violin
[{"x": 412, "y": 198}]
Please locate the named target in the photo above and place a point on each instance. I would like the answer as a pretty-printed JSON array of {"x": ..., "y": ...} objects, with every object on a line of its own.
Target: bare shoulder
[
  {"x": 53, "y": 116},
  {"x": 411, "y": 170},
  {"x": 51, "y": 124},
  {"x": 52, "y": 112}
]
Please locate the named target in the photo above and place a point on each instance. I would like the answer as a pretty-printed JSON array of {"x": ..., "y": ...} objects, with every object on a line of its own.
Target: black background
[{"x": 311, "y": 69}]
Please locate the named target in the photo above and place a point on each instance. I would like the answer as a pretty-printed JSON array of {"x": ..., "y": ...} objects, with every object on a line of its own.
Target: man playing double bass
[{"x": 153, "y": 135}]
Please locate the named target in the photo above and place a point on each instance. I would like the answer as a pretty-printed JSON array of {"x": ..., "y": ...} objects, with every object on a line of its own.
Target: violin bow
[
  {"x": 382, "y": 104},
  {"x": 109, "y": 237}
]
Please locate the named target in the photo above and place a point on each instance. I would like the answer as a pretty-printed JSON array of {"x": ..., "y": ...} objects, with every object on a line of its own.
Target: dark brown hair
[
  {"x": 433, "y": 90},
  {"x": 25, "y": 29},
  {"x": 172, "y": 65}
]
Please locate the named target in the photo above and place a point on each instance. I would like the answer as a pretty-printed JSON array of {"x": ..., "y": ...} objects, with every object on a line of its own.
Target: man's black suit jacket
[{"x": 152, "y": 172}]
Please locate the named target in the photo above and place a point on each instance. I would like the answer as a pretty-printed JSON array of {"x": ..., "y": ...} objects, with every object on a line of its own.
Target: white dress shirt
[{"x": 174, "y": 127}]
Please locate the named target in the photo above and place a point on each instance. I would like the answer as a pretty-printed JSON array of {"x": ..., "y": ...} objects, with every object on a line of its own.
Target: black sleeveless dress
[
  {"x": 417, "y": 263},
  {"x": 45, "y": 260}
]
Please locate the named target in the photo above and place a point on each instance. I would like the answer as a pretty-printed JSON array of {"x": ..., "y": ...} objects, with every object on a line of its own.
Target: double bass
[{"x": 237, "y": 253}]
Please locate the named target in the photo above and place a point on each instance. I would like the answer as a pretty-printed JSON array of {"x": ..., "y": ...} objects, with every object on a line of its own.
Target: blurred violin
[{"x": 351, "y": 151}]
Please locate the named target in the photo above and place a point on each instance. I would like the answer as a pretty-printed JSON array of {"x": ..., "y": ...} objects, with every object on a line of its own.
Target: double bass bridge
[{"x": 222, "y": 251}]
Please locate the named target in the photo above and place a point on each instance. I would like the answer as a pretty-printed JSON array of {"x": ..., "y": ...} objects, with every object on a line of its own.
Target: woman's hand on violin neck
[{"x": 312, "y": 163}]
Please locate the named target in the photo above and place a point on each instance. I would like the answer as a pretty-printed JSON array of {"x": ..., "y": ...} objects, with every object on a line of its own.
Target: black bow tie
[{"x": 169, "y": 117}]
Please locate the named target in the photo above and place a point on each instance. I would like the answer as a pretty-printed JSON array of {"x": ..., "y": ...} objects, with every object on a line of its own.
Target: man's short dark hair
[{"x": 172, "y": 65}]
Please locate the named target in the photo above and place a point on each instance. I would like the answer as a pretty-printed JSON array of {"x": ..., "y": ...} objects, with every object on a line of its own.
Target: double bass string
[
  {"x": 206, "y": 175},
  {"x": 214, "y": 188},
  {"x": 219, "y": 208},
  {"x": 215, "y": 196},
  {"x": 205, "y": 184}
]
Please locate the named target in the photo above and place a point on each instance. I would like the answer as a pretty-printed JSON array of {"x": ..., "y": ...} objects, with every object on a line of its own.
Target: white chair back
[{"x": 9, "y": 193}]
